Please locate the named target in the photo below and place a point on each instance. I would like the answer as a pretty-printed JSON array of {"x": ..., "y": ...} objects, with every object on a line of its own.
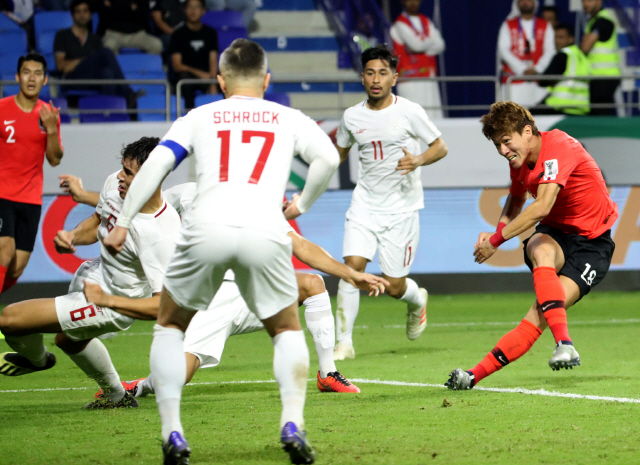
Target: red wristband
[
  {"x": 497, "y": 240},
  {"x": 500, "y": 226}
]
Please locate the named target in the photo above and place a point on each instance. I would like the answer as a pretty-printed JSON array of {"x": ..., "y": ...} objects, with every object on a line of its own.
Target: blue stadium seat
[
  {"x": 156, "y": 102},
  {"x": 44, "y": 42},
  {"x": 221, "y": 20},
  {"x": 13, "y": 42},
  {"x": 103, "y": 102},
  {"x": 282, "y": 99},
  {"x": 51, "y": 61},
  {"x": 207, "y": 98},
  {"x": 130, "y": 50},
  {"x": 51, "y": 20},
  {"x": 9, "y": 63},
  {"x": 7, "y": 24},
  {"x": 150, "y": 89},
  {"x": 225, "y": 37},
  {"x": 9, "y": 89},
  {"x": 140, "y": 62},
  {"x": 61, "y": 103}
]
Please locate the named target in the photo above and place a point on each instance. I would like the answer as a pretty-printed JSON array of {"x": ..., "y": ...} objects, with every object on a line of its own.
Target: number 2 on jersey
[{"x": 225, "y": 138}]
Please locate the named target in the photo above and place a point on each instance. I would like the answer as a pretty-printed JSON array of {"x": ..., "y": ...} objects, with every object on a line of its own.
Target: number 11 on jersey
[{"x": 225, "y": 142}]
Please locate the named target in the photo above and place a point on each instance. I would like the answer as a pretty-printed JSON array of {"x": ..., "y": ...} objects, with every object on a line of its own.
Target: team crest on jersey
[
  {"x": 394, "y": 128},
  {"x": 550, "y": 170}
]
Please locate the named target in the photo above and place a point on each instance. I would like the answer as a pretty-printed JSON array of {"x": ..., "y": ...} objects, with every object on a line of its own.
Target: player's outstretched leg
[
  {"x": 346, "y": 314},
  {"x": 30, "y": 355}
]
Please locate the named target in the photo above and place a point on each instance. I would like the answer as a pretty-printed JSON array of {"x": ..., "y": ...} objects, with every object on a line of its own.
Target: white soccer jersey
[
  {"x": 380, "y": 136},
  {"x": 243, "y": 148},
  {"x": 137, "y": 271}
]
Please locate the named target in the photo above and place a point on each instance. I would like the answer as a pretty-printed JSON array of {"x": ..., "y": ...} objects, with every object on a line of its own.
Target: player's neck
[
  {"x": 245, "y": 92},
  {"x": 535, "y": 147},
  {"x": 381, "y": 104},
  {"x": 153, "y": 204},
  {"x": 25, "y": 103}
]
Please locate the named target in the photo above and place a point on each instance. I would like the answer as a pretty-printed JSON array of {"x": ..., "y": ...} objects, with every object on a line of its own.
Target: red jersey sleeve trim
[{"x": 161, "y": 211}]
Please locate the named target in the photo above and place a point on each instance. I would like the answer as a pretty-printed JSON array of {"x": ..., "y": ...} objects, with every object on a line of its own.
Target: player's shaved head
[
  {"x": 139, "y": 150},
  {"x": 243, "y": 59},
  {"x": 507, "y": 118}
]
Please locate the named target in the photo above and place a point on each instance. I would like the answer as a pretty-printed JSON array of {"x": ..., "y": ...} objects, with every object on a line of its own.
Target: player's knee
[
  {"x": 9, "y": 321},
  {"x": 396, "y": 289},
  {"x": 69, "y": 346},
  {"x": 15, "y": 273},
  {"x": 310, "y": 285},
  {"x": 541, "y": 254}
]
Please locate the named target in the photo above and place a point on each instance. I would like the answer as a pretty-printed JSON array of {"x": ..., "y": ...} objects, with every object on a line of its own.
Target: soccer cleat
[
  {"x": 343, "y": 351},
  {"x": 176, "y": 450},
  {"x": 14, "y": 364},
  {"x": 417, "y": 318},
  {"x": 129, "y": 386},
  {"x": 104, "y": 403},
  {"x": 296, "y": 444},
  {"x": 460, "y": 380},
  {"x": 565, "y": 356},
  {"x": 335, "y": 382}
]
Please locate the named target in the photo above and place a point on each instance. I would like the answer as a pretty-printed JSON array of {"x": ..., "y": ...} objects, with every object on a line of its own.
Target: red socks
[
  {"x": 8, "y": 284},
  {"x": 511, "y": 347},
  {"x": 3, "y": 273},
  {"x": 550, "y": 295}
]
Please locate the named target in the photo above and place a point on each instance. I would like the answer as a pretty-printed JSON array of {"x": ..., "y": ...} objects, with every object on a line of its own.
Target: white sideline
[{"x": 537, "y": 392}]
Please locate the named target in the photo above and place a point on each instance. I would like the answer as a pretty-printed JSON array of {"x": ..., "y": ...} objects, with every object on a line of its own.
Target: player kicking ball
[
  {"x": 384, "y": 212},
  {"x": 134, "y": 277},
  {"x": 571, "y": 249}
]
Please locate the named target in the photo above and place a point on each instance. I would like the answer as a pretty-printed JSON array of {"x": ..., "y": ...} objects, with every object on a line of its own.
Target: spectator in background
[
  {"x": 167, "y": 15},
  {"x": 21, "y": 11},
  {"x": 570, "y": 96},
  {"x": 246, "y": 7},
  {"x": 550, "y": 15},
  {"x": 417, "y": 41},
  {"x": 79, "y": 54},
  {"x": 525, "y": 46},
  {"x": 125, "y": 24},
  {"x": 600, "y": 44},
  {"x": 194, "y": 52}
]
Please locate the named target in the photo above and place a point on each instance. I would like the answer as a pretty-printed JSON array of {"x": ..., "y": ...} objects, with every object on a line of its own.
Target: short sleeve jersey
[
  {"x": 243, "y": 149},
  {"x": 137, "y": 271},
  {"x": 23, "y": 142},
  {"x": 194, "y": 46},
  {"x": 66, "y": 42},
  {"x": 380, "y": 137},
  {"x": 583, "y": 205}
]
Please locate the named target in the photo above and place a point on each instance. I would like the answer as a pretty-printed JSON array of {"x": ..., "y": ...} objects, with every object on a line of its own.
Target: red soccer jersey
[
  {"x": 23, "y": 142},
  {"x": 583, "y": 205}
]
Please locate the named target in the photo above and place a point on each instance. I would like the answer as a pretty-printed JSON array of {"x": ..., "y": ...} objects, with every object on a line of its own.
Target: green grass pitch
[{"x": 228, "y": 422}]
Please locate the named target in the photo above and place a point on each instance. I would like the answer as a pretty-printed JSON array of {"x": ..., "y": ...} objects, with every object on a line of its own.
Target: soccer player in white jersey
[
  {"x": 243, "y": 147},
  {"x": 387, "y": 131},
  {"x": 134, "y": 277}
]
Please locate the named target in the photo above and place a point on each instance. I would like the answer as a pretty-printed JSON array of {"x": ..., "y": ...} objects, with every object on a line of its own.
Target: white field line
[{"x": 537, "y": 392}]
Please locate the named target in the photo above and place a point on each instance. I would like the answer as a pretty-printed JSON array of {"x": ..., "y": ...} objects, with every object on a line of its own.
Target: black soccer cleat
[
  {"x": 14, "y": 364},
  {"x": 104, "y": 403}
]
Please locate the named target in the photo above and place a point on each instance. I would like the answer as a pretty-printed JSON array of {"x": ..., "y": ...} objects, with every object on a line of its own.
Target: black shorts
[
  {"x": 20, "y": 221},
  {"x": 586, "y": 261}
]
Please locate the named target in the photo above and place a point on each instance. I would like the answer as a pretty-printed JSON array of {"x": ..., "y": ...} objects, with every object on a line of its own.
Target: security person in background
[
  {"x": 570, "y": 96},
  {"x": 600, "y": 44}
]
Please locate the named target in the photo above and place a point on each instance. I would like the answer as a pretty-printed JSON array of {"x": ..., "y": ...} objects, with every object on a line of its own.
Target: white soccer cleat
[
  {"x": 417, "y": 317},
  {"x": 565, "y": 356},
  {"x": 460, "y": 380},
  {"x": 343, "y": 351}
]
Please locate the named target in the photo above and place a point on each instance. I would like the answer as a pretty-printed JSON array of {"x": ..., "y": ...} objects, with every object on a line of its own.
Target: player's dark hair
[
  {"x": 32, "y": 57},
  {"x": 243, "y": 58},
  {"x": 76, "y": 3},
  {"x": 507, "y": 118},
  {"x": 379, "y": 52},
  {"x": 567, "y": 27},
  {"x": 139, "y": 150},
  {"x": 202, "y": 2}
]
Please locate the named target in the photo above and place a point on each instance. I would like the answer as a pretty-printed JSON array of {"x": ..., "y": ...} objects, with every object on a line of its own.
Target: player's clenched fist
[
  {"x": 64, "y": 242},
  {"x": 95, "y": 295},
  {"x": 114, "y": 242}
]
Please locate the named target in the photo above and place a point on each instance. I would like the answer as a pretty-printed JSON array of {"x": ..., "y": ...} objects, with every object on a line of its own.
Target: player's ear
[
  {"x": 46, "y": 79},
  {"x": 267, "y": 79},
  {"x": 223, "y": 85}
]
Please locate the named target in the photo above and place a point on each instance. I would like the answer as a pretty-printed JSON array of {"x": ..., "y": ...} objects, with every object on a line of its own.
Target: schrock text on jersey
[{"x": 245, "y": 117}]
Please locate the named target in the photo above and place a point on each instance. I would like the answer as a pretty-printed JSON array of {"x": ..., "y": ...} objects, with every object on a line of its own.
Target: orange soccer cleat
[
  {"x": 335, "y": 382},
  {"x": 130, "y": 386}
]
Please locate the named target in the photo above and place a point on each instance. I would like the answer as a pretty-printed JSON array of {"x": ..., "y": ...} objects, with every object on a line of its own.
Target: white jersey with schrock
[
  {"x": 137, "y": 271},
  {"x": 243, "y": 150},
  {"x": 379, "y": 137}
]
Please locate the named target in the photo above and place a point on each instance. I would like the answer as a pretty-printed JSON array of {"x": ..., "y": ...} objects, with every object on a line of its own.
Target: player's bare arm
[
  {"x": 343, "y": 152},
  {"x": 437, "y": 150},
  {"x": 49, "y": 115},
  {"x": 530, "y": 216},
  {"x": 318, "y": 258},
  {"x": 512, "y": 208},
  {"x": 140, "y": 309},
  {"x": 86, "y": 233},
  {"x": 73, "y": 185}
]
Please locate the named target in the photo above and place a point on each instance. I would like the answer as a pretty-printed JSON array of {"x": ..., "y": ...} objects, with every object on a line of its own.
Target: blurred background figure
[
  {"x": 246, "y": 7},
  {"x": 550, "y": 14},
  {"x": 125, "y": 24}
]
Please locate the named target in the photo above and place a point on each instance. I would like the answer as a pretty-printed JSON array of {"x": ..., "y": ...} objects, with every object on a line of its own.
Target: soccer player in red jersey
[
  {"x": 571, "y": 248},
  {"x": 30, "y": 131}
]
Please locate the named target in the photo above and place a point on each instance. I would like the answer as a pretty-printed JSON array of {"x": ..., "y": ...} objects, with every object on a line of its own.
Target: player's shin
[
  {"x": 291, "y": 370},
  {"x": 96, "y": 363},
  {"x": 321, "y": 326},
  {"x": 412, "y": 295},
  {"x": 30, "y": 346},
  {"x": 169, "y": 369},
  {"x": 551, "y": 297},
  {"x": 347, "y": 311},
  {"x": 511, "y": 347}
]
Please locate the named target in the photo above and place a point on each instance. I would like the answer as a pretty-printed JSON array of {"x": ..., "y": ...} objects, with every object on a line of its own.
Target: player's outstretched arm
[
  {"x": 85, "y": 233},
  {"x": 437, "y": 151},
  {"x": 73, "y": 185},
  {"x": 512, "y": 208},
  {"x": 316, "y": 257},
  {"x": 140, "y": 309},
  {"x": 50, "y": 117}
]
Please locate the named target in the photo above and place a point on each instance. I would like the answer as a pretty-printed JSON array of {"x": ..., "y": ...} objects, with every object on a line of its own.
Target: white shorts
[
  {"x": 396, "y": 236},
  {"x": 227, "y": 316},
  {"x": 262, "y": 267},
  {"x": 81, "y": 320}
]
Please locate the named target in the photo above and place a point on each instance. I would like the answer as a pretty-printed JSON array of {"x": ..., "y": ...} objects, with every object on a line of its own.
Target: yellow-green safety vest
[
  {"x": 571, "y": 95},
  {"x": 604, "y": 56}
]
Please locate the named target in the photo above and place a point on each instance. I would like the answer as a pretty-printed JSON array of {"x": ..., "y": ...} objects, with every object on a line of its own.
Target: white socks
[
  {"x": 95, "y": 361},
  {"x": 347, "y": 311},
  {"x": 291, "y": 370},
  {"x": 412, "y": 296},
  {"x": 30, "y": 346},
  {"x": 319, "y": 319},
  {"x": 169, "y": 370}
]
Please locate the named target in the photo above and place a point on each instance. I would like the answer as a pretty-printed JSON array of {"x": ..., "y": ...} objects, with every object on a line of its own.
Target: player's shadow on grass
[
  {"x": 414, "y": 350},
  {"x": 246, "y": 453}
]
